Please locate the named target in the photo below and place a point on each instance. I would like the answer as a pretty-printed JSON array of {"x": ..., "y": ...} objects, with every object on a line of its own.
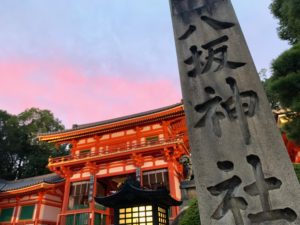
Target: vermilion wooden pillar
[
  {"x": 171, "y": 175},
  {"x": 38, "y": 208},
  {"x": 93, "y": 170},
  {"x": 67, "y": 174},
  {"x": 16, "y": 210}
]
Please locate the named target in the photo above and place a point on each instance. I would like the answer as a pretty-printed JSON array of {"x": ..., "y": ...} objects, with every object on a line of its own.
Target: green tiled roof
[{"x": 27, "y": 182}]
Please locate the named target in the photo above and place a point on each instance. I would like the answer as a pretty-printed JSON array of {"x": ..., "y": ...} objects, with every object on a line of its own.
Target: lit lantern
[{"x": 133, "y": 205}]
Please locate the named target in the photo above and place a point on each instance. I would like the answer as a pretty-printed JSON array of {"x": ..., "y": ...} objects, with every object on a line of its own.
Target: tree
[
  {"x": 11, "y": 142},
  {"x": 283, "y": 87},
  {"x": 22, "y": 155},
  {"x": 288, "y": 13},
  {"x": 272, "y": 97}
]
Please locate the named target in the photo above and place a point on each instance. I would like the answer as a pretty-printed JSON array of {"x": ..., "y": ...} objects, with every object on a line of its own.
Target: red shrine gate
[{"x": 147, "y": 145}]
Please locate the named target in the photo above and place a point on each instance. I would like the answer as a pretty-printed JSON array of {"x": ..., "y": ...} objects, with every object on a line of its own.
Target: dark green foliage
[
  {"x": 292, "y": 130},
  {"x": 287, "y": 62},
  {"x": 191, "y": 216},
  {"x": 288, "y": 13},
  {"x": 283, "y": 88},
  {"x": 284, "y": 85},
  {"x": 288, "y": 90},
  {"x": 297, "y": 170},
  {"x": 272, "y": 96},
  {"x": 21, "y": 154}
]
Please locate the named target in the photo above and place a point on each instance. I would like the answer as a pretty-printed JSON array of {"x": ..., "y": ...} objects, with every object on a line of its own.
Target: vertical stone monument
[{"x": 242, "y": 170}]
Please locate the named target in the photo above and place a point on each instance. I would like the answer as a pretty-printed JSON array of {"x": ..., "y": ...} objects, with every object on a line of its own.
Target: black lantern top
[{"x": 132, "y": 194}]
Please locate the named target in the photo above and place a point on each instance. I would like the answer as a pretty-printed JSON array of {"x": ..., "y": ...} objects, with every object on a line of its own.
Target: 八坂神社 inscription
[{"x": 243, "y": 174}]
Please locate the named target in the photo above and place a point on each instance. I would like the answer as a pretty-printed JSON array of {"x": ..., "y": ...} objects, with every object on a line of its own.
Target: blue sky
[{"x": 92, "y": 60}]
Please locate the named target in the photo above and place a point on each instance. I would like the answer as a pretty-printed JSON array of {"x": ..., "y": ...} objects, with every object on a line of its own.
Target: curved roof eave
[
  {"x": 130, "y": 195},
  {"x": 91, "y": 128},
  {"x": 7, "y": 186}
]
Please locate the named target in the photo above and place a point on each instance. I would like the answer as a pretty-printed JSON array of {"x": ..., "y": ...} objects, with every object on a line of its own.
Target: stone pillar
[
  {"x": 242, "y": 171},
  {"x": 188, "y": 192}
]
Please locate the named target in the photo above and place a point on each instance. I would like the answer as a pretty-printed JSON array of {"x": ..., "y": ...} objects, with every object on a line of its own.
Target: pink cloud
[{"x": 78, "y": 98}]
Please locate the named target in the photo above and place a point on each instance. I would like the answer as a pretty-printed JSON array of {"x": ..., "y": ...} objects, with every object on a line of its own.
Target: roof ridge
[
  {"x": 31, "y": 178},
  {"x": 118, "y": 119}
]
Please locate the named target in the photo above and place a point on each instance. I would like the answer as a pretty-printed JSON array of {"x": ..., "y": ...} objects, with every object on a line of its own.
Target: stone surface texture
[{"x": 242, "y": 170}]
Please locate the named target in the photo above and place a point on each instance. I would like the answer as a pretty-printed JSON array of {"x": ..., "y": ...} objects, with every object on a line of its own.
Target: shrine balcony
[{"x": 116, "y": 151}]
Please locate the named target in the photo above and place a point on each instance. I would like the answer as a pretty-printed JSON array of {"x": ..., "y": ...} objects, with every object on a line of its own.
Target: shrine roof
[
  {"x": 27, "y": 182},
  {"x": 93, "y": 128},
  {"x": 132, "y": 194}
]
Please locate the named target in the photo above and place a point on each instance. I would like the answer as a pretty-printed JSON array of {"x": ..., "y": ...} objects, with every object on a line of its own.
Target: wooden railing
[{"x": 115, "y": 149}]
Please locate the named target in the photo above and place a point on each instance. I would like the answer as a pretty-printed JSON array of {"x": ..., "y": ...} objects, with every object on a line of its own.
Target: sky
[{"x": 88, "y": 61}]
